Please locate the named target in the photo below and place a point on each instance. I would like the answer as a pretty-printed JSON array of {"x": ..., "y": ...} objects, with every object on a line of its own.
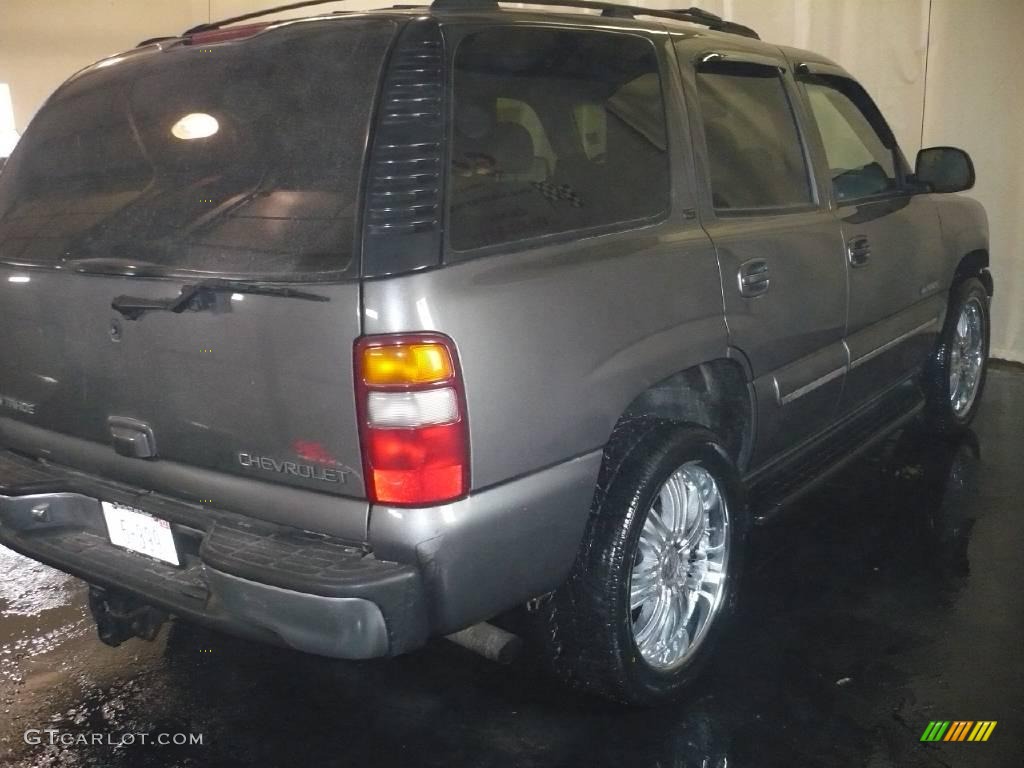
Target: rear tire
[
  {"x": 955, "y": 379},
  {"x": 683, "y": 568}
]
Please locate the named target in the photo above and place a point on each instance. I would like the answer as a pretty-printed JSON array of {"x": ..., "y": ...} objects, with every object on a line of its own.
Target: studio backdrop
[{"x": 944, "y": 72}]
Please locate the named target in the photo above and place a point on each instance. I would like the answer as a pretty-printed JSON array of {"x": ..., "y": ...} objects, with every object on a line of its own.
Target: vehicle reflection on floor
[{"x": 889, "y": 598}]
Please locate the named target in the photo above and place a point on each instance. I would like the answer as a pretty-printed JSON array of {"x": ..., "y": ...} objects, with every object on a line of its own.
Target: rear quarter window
[
  {"x": 240, "y": 158},
  {"x": 555, "y": 131}
]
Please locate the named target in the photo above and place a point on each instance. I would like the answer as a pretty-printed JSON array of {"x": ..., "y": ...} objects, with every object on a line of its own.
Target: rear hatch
[{"x": 226, "y": 173}]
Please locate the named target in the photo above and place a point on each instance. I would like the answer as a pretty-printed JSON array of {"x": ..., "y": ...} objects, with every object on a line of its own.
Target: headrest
[
  {"x": 472, "y": 120},
  {"x": 512, "y": 148}
]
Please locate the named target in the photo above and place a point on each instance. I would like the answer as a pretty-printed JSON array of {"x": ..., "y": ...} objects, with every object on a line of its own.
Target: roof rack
[
  {"x": 619, "y": 11},
  {"x": 152, "y": 40},
  {"x": 615, "y": 10},
  {"x": 255, "y": 15}
]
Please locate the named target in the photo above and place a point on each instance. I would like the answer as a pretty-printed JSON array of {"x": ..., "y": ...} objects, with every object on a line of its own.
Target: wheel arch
[
  {"x": 974, "y": 264},
  {"x": 715, "y": 394}
]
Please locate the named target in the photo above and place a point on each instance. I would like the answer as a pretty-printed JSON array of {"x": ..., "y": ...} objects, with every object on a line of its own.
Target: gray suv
[{"x": 355, "y": 330}]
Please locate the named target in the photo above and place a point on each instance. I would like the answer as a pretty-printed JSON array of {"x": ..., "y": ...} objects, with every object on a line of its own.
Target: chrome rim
[
  {"x": 966, "y": 357},
  {"x": 679, "y": 571}
]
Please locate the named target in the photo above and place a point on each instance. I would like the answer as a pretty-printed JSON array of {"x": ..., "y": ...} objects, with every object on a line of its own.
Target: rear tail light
[{"x": 412, "y": 413}]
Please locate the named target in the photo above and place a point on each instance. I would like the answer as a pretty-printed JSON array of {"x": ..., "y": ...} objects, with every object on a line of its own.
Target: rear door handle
[
  {"x": 753, "y": 278},
  {"x": 858, "y": 250}
]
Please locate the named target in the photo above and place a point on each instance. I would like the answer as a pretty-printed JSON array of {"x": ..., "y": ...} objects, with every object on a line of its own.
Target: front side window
[
  {"x": 755, "y": 154},
  {"x": 860, "y": 152},
  {"x": 555, "y": 131}
]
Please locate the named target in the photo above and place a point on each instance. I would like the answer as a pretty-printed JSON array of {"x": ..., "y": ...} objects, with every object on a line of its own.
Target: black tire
[
  {"x": 940, "y": 415},
  {"x": 587, "y": 624}
]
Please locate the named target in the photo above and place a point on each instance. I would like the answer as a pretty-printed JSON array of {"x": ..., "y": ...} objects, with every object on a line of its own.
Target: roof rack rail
[
  {"x": 620, "y": 11},
  {"x": 153, "y": 40},
  {"x": 255, "y": 15},
  {"x": 616, "y": 10}
]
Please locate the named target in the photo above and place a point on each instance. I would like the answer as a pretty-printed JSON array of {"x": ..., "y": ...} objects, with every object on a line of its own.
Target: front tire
[
  {"x": 956, "y": 377},
  {"x": 655, "y": 579}
]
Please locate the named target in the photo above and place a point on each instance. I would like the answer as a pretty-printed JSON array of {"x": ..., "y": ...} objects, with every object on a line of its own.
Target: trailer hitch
[{"x": 120, "y": 617}]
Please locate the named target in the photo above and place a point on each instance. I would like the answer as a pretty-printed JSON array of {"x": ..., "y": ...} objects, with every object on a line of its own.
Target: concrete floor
[{"x": 893, "y": 597}]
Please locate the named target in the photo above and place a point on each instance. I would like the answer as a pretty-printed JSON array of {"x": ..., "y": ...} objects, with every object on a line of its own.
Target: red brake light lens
[
  {"x": 413, "y": 428},
  {"x": 212, "y": 36},
  {"x": 417, "y": 466}
]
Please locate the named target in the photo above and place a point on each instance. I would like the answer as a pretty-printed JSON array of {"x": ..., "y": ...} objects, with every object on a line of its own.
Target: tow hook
[{"x": 120, "y": 617}]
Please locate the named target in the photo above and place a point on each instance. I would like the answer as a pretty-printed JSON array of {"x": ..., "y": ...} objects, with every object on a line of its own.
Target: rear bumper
[
  {"x": 307, "y": 591},
  {"x": 431, "y": 572},
  {"x": 336, "y": 609}
]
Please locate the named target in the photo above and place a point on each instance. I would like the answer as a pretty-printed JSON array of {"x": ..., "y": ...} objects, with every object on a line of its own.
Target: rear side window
[
  {"x": 755, "y": 153},
  {"x": 241, "y": 158},
  {"x": 555, "y": 131},
  {"x": 859, "y": 146}
]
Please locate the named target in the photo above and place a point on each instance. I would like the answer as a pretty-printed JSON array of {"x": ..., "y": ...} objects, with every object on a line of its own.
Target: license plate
[{"x": 135, "y": 530}]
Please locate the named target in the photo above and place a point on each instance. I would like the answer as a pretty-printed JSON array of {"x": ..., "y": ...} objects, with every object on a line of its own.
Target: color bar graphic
[
  {"x": 958, "y": 730},
  {"x": 935, "y": 730},
  {"x": 982, "y": 730}
]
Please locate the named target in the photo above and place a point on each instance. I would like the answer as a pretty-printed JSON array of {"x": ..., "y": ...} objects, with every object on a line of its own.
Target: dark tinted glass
[
  {"x": 238, "y": 158},
  {"x": 554, "y": 131},
  {"x": 754, "y": 148},
  {"x": 860, "y": 152}
]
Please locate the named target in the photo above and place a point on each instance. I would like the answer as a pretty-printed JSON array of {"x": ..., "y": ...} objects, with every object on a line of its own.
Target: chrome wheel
[
  {"x": 966, "y": 356},
  {"x": 679, "y": 571}
]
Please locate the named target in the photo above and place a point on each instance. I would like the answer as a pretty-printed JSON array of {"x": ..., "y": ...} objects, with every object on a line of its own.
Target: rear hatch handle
[{"x": 205, "y": 295}]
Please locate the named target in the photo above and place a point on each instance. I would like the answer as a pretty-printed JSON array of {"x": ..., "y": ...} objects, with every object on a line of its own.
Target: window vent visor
[{"x": 405, "y": 179}]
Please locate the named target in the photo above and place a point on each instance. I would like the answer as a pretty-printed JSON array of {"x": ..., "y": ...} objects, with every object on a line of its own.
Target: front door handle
[
  {"x": 858, "y": 250},
  {"x": 753, "y": 278}
]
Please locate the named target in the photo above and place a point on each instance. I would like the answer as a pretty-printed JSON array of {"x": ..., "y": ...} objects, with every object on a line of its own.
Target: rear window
[
  {"x": 241, "y": 158},
  {"x": 555, "y": 131}
]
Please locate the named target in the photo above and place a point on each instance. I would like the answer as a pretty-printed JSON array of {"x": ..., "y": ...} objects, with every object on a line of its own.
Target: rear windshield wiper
[{"x": 206, "y": 294}]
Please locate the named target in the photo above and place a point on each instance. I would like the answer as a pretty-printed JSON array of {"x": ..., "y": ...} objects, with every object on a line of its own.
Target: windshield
[{"x": 241, "y": 158}]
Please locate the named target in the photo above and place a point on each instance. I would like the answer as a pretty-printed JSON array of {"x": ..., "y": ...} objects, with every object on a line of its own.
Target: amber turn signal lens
[{"x": 406, "y": 364}]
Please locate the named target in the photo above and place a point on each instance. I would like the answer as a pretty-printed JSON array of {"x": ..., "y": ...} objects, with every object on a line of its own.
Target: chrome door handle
[
  {"x": 858, "y": 250},
  {"x": 753, "y": 278}
]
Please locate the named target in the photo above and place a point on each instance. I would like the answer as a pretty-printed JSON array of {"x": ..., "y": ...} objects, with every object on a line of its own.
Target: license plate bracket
[{"x": 140, "y": 532}]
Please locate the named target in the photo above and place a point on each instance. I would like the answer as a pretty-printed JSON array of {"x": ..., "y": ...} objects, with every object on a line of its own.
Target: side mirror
[{"x": 944, "y": 169}]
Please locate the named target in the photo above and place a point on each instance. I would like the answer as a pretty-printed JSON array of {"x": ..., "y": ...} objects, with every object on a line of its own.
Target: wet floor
[{"x": 892, "y": 597}]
